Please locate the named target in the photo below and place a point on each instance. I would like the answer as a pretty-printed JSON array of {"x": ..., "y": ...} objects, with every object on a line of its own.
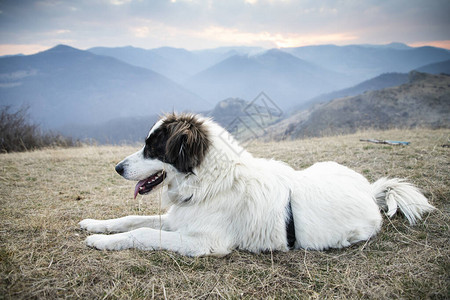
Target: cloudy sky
[{"x": 30, "y": 26}]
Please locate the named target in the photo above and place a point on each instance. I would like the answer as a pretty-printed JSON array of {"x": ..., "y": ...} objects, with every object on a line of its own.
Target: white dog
[{"x": 222, "y": 198}]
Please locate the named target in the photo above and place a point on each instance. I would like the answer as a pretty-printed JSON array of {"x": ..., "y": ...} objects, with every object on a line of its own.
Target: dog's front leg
[
  {"x": 123, "y": 224},
  {"x": 151, "y": 239}
]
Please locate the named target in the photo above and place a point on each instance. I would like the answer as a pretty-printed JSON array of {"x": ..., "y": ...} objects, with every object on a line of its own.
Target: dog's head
[{"x": 176, "y": 143}]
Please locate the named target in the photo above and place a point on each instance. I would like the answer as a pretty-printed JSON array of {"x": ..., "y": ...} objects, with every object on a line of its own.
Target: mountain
[
  {"x": 126, "y": 130},
  {"x": 174, "y": 63},
  {"x": 290, "y": 76},
  {"x": 362, "y": 62},
  {"x": 442, "y": 67},
  {"x": 70, "y": 89},
  {"x": 394, "y": 45},
  {"x": 227, "y": 110},
  {"x": 284, "y": 77},
  {"x": 216, "y": 55},
  {"x": 377, "y": 83},
  {"x": 246, "y": 120},
  {"x": 422, "y": 102},
  {"x": 65, "y": 85}
]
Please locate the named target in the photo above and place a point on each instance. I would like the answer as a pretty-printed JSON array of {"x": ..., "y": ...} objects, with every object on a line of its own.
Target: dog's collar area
[{"x": 290, "y": 228}]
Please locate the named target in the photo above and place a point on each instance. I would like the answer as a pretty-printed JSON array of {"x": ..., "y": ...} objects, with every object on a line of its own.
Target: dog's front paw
[
  {"x": 106, "y": 242},
  {"x": 97, "y": 226}
]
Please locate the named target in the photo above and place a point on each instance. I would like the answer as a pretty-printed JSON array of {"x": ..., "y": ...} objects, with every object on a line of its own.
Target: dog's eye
[
  {"x": 148, "y": 150},
  {"x": 155, "y": 145}
]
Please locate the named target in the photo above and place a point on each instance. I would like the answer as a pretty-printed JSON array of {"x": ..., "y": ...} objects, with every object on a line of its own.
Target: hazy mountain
[
  {"x": 246, "y": 120},
  {"x": 116, "y": 131},
  {"x": 216, "y": 74},
  {"x": 137, "y": 57},
  {"x": 215, "y": 55},
  {"x": 377, "y": 83},
  {"x": 398, "y": 46},
  {"x": 243, "y": 118},
  {"x": 227, "y": 110},
  {"x": 88, "y": 89},
  {"x": 366, "y": 61},
  {"x": 174, "y": 63},
  {"x": 232, "y": 114},
  {"x": 422, "y": 102},
  {"x": 285, "y": 78},
  {"x": 442, "y": 67},
  {"x": 65, "y": 85}
]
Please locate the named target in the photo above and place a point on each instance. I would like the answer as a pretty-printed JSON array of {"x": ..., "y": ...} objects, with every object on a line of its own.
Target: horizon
[
  {"x": 220, "y": 47},
  {"x": 31, "y": 26}
]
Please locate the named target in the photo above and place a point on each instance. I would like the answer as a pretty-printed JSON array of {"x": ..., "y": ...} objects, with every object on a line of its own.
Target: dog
[{"x": 220, "y": 198}]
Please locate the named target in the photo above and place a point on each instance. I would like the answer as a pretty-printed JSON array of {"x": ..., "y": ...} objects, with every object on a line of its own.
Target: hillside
[
  {"x": 65, "y": 85},
  {"x": 246, "y": 120},
  {"x": 380, "y": 82},
  {"x": 423, "y": 102},
  {"x": 285, "y": 78},
  {"x": 442, "y": 67},
  {"x": 46, "y": 193}
]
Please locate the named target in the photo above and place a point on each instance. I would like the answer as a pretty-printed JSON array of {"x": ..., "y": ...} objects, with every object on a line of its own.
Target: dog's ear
[{"x": 187, "y": 143}]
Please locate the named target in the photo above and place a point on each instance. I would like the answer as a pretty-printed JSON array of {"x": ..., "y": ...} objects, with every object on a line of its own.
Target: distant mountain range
[
  {"x": 422, "y": 102},
  {"x": 64, "y": 85},
  {"x": 116, "y": 131},
  {"x": 380, "y": 82},
  {"x": 282, "y": 76},
  {"x": 436, "y": 68},
  {"x": 174, "y": 63},
  {"x": 243, "y": 72},
  {"x": 362, "y": 62},
  {"x": 85, "y": 92}
]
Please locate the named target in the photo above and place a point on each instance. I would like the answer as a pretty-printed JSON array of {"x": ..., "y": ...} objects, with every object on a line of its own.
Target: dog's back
[{"x": 335, "y": 206}]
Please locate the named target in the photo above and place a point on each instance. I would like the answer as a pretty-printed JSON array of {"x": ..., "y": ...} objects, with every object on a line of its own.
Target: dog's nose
[{"x": 119, "y": 169}]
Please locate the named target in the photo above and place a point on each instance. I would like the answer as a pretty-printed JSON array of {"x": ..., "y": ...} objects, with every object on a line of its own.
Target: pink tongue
[{"x": 138, "y": 185}]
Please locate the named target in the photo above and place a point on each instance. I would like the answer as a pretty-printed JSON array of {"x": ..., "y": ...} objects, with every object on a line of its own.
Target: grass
[{"x": 45, "y": 193}]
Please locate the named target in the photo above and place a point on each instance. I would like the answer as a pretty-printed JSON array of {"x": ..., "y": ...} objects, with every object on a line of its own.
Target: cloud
[
  {"x": 195, "y": 24},
  {"x": 61, "y": 31},
  {"x": 233, "y": 36},
  {"x": 119, "y": 2},
  {"x": 10, "y": 49},
  {"x": 439, "y": 44},
  {"x": 140, "y": 32}
]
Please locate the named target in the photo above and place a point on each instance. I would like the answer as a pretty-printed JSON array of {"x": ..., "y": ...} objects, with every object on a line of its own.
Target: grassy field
[{"x": 44, "y": 194}]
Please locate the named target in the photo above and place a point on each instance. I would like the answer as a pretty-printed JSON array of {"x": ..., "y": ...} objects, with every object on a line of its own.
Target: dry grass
[{"x": 44, "y": 194}]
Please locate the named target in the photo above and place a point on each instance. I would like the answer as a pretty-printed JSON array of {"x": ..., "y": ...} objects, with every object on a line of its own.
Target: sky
[{"x": 31, "y": 26}]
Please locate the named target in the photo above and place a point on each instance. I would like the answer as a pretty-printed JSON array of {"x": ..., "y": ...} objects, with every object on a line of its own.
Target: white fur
[{"x": 238, "y": 201}]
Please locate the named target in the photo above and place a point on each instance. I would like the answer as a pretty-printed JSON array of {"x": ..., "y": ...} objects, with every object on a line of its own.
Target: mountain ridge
[
  {"x": 422, "y": 102},
  {"x": 366, "y": 62},
  {"x": 66, "y": 85},
  {"x": 282, "y": 76},
  {"x": 379, "y": 82}
]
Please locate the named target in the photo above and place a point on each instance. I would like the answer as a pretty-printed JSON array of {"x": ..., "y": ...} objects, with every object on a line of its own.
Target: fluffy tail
[{"x": 391, "y": 194}]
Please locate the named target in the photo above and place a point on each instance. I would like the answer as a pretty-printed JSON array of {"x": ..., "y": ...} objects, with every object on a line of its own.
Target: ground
[{"x": 44, "y": 194}]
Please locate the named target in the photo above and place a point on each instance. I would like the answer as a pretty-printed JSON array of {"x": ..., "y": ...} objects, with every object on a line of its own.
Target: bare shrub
[{"x": 18, "y": 134}]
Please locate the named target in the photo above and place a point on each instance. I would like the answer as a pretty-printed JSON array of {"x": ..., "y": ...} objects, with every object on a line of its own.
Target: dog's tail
[{"x": 394, "y": 193}]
